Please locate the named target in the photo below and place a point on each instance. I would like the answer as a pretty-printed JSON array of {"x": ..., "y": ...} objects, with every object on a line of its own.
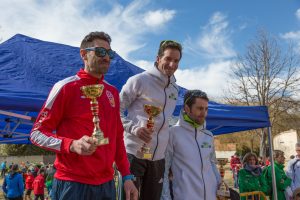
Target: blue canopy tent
[{"x": 29, "y": 68}]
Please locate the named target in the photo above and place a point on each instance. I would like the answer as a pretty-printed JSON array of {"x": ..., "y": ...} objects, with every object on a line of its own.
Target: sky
[{"x": 212, "y": 32}]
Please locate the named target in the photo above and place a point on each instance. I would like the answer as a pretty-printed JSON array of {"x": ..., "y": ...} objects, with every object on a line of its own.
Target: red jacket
[
  {"x": 68, "y": 113},
  {"x": 235, "y": 163},
  {"x": 39, "y": 184},
  {"x": 28, "y": 181}
]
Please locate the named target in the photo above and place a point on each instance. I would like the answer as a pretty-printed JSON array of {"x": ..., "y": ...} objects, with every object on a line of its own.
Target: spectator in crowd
[
  {"x": 293, "y": 169},
  {"x": 49, "y": 180},
  {"x": 3, "y": 169},
  {"x": 267, "y": 161},
  {"x": 260, "y": 162},
  {"x": 13, "y": 185},
  {"x": 235, "y": 164},
  {"x": 39, "y": 185},
  {"x": 28, "y": 184},
  {"x": 251, "y": 177},
  {"x": 296, "y": 194},
  {"x": 282, "y": 180},
  {"x": 35, "y": 170}
]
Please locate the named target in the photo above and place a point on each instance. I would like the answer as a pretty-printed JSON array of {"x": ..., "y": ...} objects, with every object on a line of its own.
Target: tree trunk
[
  {"x": 252, "y": 143},
  {"x": 263, "y": 145}
]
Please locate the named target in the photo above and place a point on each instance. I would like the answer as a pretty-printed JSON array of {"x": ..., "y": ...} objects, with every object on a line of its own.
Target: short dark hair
[
  {"x": 42, "y": 170},
  {"x": 169, "y": 44},
  {"x": 15, "y": 167},
  {"x": 277, "y": 153},
  {"x": 191, "y": 95},
  {"x": 89, "y": 39}
]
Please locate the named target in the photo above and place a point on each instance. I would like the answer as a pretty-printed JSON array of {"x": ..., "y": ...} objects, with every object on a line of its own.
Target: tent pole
[
  {"x": 272, "y": 163},
  {"x": 16, "y": 115}
]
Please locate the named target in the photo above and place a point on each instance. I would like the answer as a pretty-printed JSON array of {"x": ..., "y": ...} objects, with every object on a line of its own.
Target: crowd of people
[
  {"x": 91, "y": 127},
  {"x": 253, "y": 174},
  {"x": 24, "y": 179}
]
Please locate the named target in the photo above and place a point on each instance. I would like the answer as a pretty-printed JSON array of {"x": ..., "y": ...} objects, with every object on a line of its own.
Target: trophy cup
[
  {"x": 223, "y": 191},
  {"x": 152, "y": 111},
  {"x": 92, "y": 92}
]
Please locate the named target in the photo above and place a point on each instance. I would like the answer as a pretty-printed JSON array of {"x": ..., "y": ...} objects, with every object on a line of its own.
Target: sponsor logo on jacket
[
  {"x": 173, "y": 96},
  {"x": 111, "y": 98},
  {"x": 205, "y": 145}
]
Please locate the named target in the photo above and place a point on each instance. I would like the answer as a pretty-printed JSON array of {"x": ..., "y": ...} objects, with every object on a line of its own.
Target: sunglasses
[{"x": 101, "y": 52}]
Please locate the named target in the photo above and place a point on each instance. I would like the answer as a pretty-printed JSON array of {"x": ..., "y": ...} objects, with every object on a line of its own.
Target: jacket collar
[
  {"x": 162, "y": 77},
  {"x": 280, "y": 166},
  {"x": 181, "y": 122},
  {"x": 86, "y": 77}
]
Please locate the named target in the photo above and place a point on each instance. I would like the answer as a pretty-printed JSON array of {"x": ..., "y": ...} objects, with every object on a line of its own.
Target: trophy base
[
  {"x": 223, "y": 193},
  {"x": 143, "y": 155},
  {"x": 102, "y": 141}
]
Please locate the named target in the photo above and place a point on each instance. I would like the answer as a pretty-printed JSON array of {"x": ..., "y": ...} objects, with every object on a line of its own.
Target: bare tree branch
[{"x": 267, "y": 76}]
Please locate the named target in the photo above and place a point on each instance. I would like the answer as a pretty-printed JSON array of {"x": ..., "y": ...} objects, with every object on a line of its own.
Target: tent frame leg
[{"x": 272, "y": 163}]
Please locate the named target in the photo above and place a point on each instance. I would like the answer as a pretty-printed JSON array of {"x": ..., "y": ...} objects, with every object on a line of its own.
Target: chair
[{"x": 252, "y": 195}]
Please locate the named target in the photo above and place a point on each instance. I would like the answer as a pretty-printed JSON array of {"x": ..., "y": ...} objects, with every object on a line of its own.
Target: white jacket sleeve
[
  {"x": 129, "y": 93},
  {"x": 166, "y": 193},
  {"x": 290, "y": 172}
]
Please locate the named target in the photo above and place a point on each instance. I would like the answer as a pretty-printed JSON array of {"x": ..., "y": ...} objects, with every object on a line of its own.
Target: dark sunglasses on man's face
[{"x": 101, "y": 52}]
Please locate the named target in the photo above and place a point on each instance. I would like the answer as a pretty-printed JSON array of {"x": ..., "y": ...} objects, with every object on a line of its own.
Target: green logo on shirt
[
  {"x": 172, "y": 96},
  {"x": 205, "y": 145}
]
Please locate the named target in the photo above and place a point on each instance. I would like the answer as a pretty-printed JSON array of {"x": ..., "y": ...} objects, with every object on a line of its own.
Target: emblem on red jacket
[
  {"x": 41, "y": 118},
  {"x": 110, "y": 98}
]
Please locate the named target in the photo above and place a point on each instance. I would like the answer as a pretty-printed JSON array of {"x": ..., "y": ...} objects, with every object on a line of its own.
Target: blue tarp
[{"x": 30, "y": 67}]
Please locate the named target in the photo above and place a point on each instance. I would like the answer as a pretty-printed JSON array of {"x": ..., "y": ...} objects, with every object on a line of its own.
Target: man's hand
[
  {"x": 144, "y": 134},
  {"x": 130, "y": 190},
  {"x": 84, "y": 146}
]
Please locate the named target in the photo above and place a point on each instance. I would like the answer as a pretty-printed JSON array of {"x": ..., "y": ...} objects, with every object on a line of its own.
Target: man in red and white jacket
[{"x": 65, "y": 125}]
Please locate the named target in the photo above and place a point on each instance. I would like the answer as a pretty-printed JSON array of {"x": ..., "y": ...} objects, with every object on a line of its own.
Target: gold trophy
[
  {"x": 93, "y": 92},
  {"x": 223, "y": 190},
  {"x": 152, "y": 111}
]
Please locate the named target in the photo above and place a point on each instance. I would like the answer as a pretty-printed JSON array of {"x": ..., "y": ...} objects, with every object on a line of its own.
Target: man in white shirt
[
  {"x": 293, "y": 168},
  {"x": 191, "y": 153}
]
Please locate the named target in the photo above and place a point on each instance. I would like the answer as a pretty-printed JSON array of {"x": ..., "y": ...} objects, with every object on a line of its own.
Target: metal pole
[
  {"x": 16, "y": 115},
  {"x": 272, "y": 163}
]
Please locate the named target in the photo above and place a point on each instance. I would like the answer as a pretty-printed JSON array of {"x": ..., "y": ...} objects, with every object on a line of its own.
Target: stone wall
[{"x": 32, "y": 159}]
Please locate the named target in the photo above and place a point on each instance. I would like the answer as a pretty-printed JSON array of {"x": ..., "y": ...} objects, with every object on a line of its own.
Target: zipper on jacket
[
  {"x": 201, "y": 163},
  {"x": 163, "y": 119}
]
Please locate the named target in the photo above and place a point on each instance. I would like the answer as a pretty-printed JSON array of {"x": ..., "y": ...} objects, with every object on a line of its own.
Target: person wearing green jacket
[
  {"x": 251, "y": 178},
  {"x": 282, "y": 181}
]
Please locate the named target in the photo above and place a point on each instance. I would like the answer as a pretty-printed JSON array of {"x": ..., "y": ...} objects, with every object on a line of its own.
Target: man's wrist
[
  {"x": 128, "y": 177},
  {"x": 71, "y": 146}
]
